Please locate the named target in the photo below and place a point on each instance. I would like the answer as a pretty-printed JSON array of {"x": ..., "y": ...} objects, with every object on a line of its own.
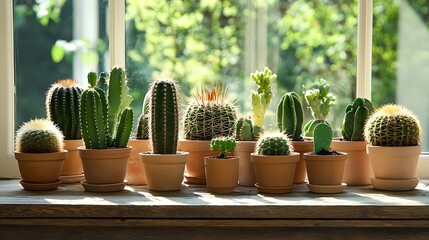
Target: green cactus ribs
[
  {"x": 275, "y": 144},
  {"x": 290, "y": 116},
  {"x": 224, "y": 145},
  {"x": 245, "y": 130},
  {"x": 356, "y": 115}
]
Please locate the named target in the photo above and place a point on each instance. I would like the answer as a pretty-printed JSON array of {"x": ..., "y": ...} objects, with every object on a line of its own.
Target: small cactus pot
[
  {"x": 247, "y": 176},
  {"x": 72, "y": 170},
  {"x": 221, "y": 174},
  {"x": 136, "y": 174},
  {"x": 301, "y": 147},
  {"x": 325, "y": 169}
]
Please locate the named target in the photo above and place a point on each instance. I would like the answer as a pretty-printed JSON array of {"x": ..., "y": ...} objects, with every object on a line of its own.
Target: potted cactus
[
  {"x": 358, "y": 169},
  {"x": 290, "y": 118},
  {"x": 325, "y": 168},
  {"x": 393, "y": 135},
  {"x": 39, "y": 149},
  {"x": 320, "y": 101},
  {"x": 274, "y": 164},
  {"x": 211, "y": 114},
  {"x": 139, "y": 143},
  {"x": 222, "y": 171},
  {"x": 164, "y": 167},
  {"x": 62, "y": 108},
  {"x": 106, "y": 123}
]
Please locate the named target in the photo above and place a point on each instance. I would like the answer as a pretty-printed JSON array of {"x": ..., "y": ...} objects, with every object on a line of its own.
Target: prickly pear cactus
[
  {"x": 290, "y": 116},
  {"x": 322, "y": 138},
  {"x": 39, "y": 136},
  {"x": 245, "y": 130},
  {"x": 356, "y": 115},
  {"x": 224, "y": 145},
  {"x": 274, "y": 144}
]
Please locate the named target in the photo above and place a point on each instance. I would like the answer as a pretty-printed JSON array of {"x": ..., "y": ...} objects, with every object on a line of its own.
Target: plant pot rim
[
  {"x": 82, "y": 148},
  {"x": 327, "y": 158},
  {"x": 293, "y": 157},
  {"x": 40, "y": 156},
  {"x": 372, "y": 146},
  {"x": 103, "y": 154},
  {"x": 276, "y": 156},
  {"x": 164, "y": 159},
  {"x": 217, "y": 158},
  {"x": 158, "y": 155}
]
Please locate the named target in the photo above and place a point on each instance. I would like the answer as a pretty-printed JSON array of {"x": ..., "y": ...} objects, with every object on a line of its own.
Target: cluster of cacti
[
  {"x": 290, "y": 116},
  {"x": 142, "y": 129},
  {"x": 106, "y": 121},
  {"x": 224, "y": 145},
  {"x": 262, "y": 98},
  {"x": 320, "y": 101},
  {"x": 322, "y": 139},
  {"x": 273, "y": 144},
  {"x": 357, "y": 112},
  {"x": 164, "y": 116},
  {"x": 245, "y": 130},
  {"x": 210, "y": 114},
  {"x": 62, "y": 107},
  {"x": 39, "y": 136},
  {"x": 393, "y": 125}
]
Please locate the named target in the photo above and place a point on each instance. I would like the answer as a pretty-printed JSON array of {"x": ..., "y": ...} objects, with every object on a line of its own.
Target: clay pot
[
  {"x": 325, "y": 169},
  {"x": 164, "y": 172},
  {"x": 136, "y": 174},
  {"x": 247, "y": 176},
  {"x": 301, "y": 147},
  {"x": 221, "y": 174},
  {"x": 198, "y": 150},
  {"x": 72, "y": 170},
  {"x": 357, "y": 170},
  {"x": 275, "y": 174}
]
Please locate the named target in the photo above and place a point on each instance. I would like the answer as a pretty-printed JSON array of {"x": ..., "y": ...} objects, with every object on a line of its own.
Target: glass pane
[
  {"x": 55, "y": 40},
  {"x": 400, "y": 57},
  {"x": 198, "y": 42}
]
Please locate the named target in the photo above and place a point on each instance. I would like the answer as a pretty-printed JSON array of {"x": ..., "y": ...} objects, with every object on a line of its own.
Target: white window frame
[{"x": 8, "y": 164}]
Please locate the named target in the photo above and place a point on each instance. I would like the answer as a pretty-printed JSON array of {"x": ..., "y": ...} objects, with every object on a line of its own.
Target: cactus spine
[
  {"x": 39, "y": 136},
  {"x": 356, "y": 115},
  {"x": 290, "y": 116},
  {"x": 322, "y": 138},
  {"x": 393, "y": 125},
  {"x": 62, "y": 107},
  {"x": 274, "y": 144},
  {"x": 245, "y": 130},
  {"x": 164, "y": 116}
]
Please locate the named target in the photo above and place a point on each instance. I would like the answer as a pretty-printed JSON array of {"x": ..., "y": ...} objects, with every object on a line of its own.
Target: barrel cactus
[
  {"x": 62, "y": 107},
  {"x": 39, "y": 136},
  {"x": 322, "y": 139},
  {"x": 290, "y": 116},
  {"x": 393, "y": 125},
  {"x": 245, "y": 130},
  {"x": 273, "y": 144},
  {"x": 106, "y": 121},
  {"x": 164, "y": 116},
  {"x": 210, "y": 114},
  {"x": 224, "y": 145},
  {"x": 357, "y": 112}
]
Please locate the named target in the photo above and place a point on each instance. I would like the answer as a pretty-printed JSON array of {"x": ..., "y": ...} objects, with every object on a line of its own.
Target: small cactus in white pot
[{"x": 39, "y": 149}]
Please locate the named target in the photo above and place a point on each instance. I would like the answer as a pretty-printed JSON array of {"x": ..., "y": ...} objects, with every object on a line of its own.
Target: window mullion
[
  {"x": 117, "y": 33},
  {"x": 364, "y": 49}
]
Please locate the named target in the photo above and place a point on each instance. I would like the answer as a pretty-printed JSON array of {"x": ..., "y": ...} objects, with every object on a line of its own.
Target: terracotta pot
[
  {"x": 104, "y": 166},
  {"x": 164, "y": 172},
  {"x": 247, "y": 176},
  {"x": 72, "y": 170},
  {"x": 135, "y": 173},
  {"x": 221, "y": 174},
  {"x": 198, "y": 150},
  {"x": 357, "y": 170},
  {"x": 301, "y": 147},
  {"x": 395, "y": 163},
  {"x": 325, "y": 169},
  {"x": 41, "y": 167},
  {"x": 275, "y": 174}
]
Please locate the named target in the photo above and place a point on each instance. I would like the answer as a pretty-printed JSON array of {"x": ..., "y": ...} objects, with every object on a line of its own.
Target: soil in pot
[{"x": 222, "y": 174}]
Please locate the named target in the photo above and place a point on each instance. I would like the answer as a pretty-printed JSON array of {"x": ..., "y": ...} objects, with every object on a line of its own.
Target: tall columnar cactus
[
  {"x": 96, "y": 120},
  {"x": 210, "y": 114},
  {"x": 357, "y": 112},
  {"x": 273, "y": 144},
  {"x": 62, "y": 107},
  {"x": 142, "y": 129},
  {"x": 393, "y": 125},
  {"x": 322, "y": 138},
  {"x": 39, "y": 136},
  {"x": 290, "y": 116},
  {"x": 164, "y": 116},
  {"x": 262, "y": 98},
  {"x": 245, "y": 130},
  {"x": 224, "y": 145}
]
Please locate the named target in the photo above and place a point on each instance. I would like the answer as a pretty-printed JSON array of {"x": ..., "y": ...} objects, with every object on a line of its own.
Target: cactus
[
  {"x": 97, "y": 121},
  {"x": 39, "y": 136},
  {"x": 393, "y": 125},
  {"x": 224, "y": 145},
  {"x": 356, "y": 115},
  {"x": 290, "y": 116},
  {"x": 273, "y": 144},
  {"x": 245, "y": 130},
  {"x": 322, "y": 138},
  {"x": 142, "y": 129},
  {"x": 62, "y": 107},
  {"x": 164, "y": 116},
  {"x": 210, "y": 114},
  {"x": 262, "y": 98}
]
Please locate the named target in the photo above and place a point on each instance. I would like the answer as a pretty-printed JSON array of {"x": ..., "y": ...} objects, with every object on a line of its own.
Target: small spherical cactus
[
  {"x": 273, "y": 144},
  {"x": 39, "y": 136},
  {"x": 224, "y": 145},
  {"x": 393, "y": 125}
]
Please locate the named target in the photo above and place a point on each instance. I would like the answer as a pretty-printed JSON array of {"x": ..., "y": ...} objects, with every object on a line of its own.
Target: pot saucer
[
  {"x": 195, "y": 180},
  {"x": 326, "y": 188},
  {"x": 394, "y": 185},
  {"x": 112, "y": 187},
  {"x": 72, "y": 178},
  {"x": 263, "y": 189},
  {"x": 40, "y": 186}
]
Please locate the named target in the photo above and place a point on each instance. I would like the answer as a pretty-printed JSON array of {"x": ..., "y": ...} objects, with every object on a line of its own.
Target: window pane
[
  {"x": 55, "y": 40},
  {"x": 400, "y": 57}
]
